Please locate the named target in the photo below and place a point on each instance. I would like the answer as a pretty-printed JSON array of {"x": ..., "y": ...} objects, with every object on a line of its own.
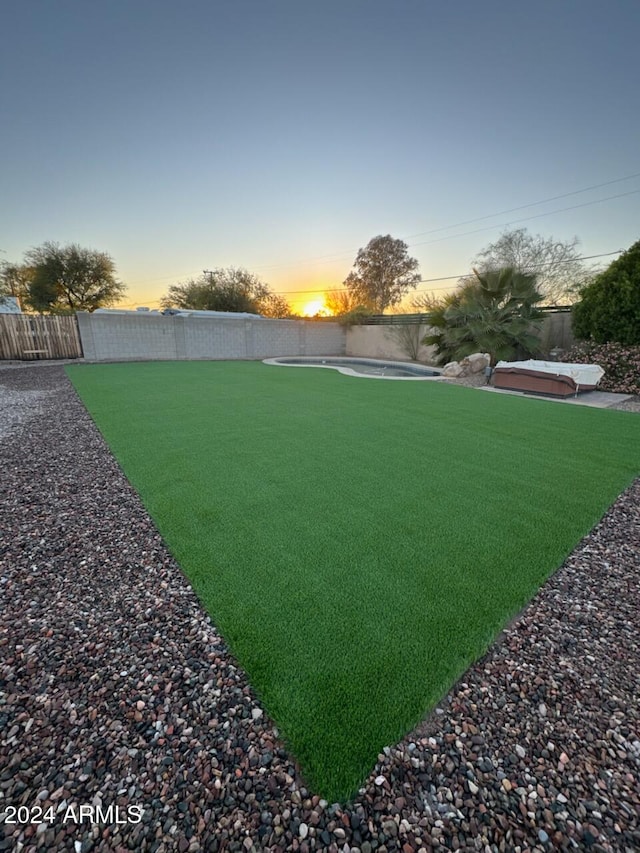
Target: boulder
[
  {"x": 476, "y": 362},
  {"x": 452, "y": 369}
]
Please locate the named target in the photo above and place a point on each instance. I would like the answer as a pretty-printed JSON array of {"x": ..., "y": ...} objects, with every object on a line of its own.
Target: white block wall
[
  {"x": 379, "y": 342},
  {"x": 152, "y": 337}
]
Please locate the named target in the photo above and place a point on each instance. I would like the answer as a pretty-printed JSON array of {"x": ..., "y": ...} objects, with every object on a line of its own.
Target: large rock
[
  {"x": 476, "y": 362},
  {"x": 452, "y": 369}
]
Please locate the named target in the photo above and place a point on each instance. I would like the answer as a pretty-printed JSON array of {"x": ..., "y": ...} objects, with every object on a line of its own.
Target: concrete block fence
[
  {"x": 149, "y": 337},
  {"x": 152, "y": 337}
]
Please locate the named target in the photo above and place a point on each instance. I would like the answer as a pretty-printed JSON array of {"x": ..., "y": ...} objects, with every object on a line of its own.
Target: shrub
[
  {"x": 609, "y": 307},
  {"x": 356, "y": 317},
  {"x": 620, "y": 363},
  {"x": 408, "y": 337},
  {"x": 495, "y": 312}
]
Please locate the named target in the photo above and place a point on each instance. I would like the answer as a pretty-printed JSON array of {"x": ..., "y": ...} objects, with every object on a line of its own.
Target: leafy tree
[
  {"x": 383, "y": 272},
  {"x": 14, "y": 281},
  {"x": 235, "y": 290},
  {"x": 275, "y": 306},
  {"x": 609, "y": 307},
  {"x": 495, "y": 312},
  {"x": 69, "y": 278},
  {"x": 556, "y": 264}
]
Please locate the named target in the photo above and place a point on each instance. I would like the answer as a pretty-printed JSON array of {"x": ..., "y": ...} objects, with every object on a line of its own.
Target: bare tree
[
  {"x": 341, "y": 302},
  {"x": 559, "y": 272}
]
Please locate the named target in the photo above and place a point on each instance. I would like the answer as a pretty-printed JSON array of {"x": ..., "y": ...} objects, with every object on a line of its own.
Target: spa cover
[{"x": 582, "y": 374}]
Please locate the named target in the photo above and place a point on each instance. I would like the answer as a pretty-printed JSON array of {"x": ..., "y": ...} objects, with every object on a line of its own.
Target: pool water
[{"x": 361, "y": 366}]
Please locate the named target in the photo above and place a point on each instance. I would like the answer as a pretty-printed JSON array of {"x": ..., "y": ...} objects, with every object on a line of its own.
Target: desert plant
[
  {"x": 408, "y": 337},
  {"x": 496, "y": 312}
]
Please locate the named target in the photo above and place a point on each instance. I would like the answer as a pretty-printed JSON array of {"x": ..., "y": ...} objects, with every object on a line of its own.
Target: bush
[
  {"x": 356, "y": 317},
  {"x": 609, "y": 307},
  {"x": 620, "y": 363},
  {"x": 408, "y": 337},
  {"x": 495, "y": 312}
]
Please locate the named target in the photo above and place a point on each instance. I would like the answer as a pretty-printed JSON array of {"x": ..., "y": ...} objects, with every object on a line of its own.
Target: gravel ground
[{"x": 118, "y": 693}]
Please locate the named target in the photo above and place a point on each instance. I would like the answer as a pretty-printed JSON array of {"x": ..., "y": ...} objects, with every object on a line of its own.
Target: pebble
[{"x": 107, "y": 651}]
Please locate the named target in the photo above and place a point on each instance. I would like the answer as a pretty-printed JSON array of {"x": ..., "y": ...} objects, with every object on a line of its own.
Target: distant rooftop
[
  {"x": 9, "y": 305},
  {"x": 177, "y": 312}
]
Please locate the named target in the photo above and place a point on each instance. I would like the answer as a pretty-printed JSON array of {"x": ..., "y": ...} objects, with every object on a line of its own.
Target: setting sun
[{"x": 315, "y": 307}]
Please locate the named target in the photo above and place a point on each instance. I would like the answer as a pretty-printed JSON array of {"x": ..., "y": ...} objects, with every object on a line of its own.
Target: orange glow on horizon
[{"x": 314, "y": 307}]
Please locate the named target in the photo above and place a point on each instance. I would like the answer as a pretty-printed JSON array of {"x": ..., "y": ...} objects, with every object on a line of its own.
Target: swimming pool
[{"x": 371, "y": 368}]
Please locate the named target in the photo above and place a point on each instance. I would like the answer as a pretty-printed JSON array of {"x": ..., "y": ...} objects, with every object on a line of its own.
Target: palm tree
[{"x": 496, "y": 312}]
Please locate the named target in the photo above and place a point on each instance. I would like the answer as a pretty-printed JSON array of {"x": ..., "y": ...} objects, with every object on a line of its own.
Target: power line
[
  {"x": 168, "y": 277},
  {"x": 524, "y": 206},
  {"x": 337, "y": 255},
  {"x": 452, "y": 277},
  {"x": 525, "y": 219},
  {"x": 422, "y": 280},
  {"x": 350, "y": 253}
]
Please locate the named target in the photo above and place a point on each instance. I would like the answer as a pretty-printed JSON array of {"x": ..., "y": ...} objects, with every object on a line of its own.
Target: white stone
[
  {"x": 379, "y": 780},
  {"x": 521, "y": 751},
  {"x": 453, "y": 368},
  {"x": 473, "y": 787},
  {"x": 303, "y": 831},
  {"x": 477, "y": 361},
  {"x": 256, "y": 713}
]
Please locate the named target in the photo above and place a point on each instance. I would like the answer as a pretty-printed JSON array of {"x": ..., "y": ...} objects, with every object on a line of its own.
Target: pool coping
[{"x": 321, "y": 361}]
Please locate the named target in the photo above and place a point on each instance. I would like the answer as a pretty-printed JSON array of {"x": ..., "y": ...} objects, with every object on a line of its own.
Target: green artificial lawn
[{"x": 358, "y": 542}]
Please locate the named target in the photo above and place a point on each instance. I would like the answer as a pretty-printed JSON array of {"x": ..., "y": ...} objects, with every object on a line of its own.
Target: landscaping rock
[
  {"x": 476, "y": 362},
  {"x": 452, "y": 369}
]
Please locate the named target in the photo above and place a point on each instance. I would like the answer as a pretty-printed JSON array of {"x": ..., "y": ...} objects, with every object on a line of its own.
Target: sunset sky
[{"x": 282, "y": 135}]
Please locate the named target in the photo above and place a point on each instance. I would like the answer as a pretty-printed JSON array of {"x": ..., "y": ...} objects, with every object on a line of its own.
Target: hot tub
[{"x": 553, "y": 378}]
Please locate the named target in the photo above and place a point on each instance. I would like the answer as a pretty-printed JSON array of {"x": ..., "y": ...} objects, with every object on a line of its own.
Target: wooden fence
[{"x": 28, "y": 337}]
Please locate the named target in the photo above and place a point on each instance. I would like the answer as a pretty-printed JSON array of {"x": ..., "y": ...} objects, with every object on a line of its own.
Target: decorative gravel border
[{"x": 117, "y": 691}]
